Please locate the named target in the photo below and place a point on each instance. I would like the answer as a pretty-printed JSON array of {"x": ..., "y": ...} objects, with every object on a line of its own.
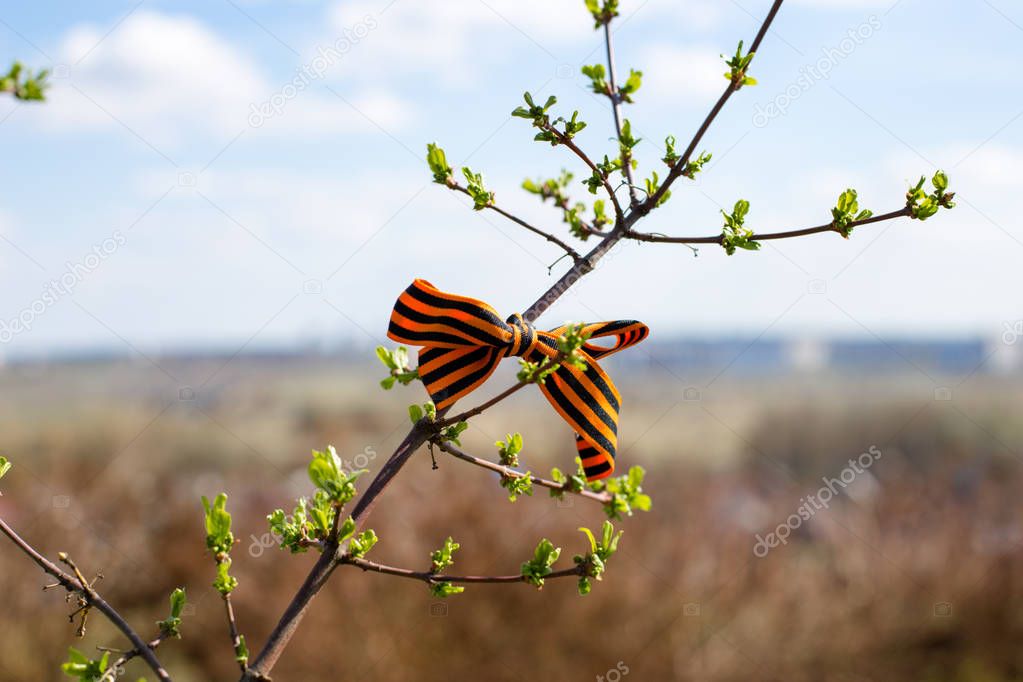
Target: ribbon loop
[{"x": 463, "y": 340}]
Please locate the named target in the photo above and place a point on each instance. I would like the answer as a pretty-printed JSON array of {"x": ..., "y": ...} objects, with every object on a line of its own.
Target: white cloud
[
  {"x": 451, "y": 41},
  {"x": 169, "y": 77},
  {"x": 678, "y": 73},
  {"x": 990, "y": 166}
]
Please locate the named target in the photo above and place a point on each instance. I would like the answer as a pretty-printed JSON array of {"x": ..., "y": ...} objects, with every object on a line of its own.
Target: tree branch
[
  {"x": 522, "y": 223},
  {"x": 680, "y": 165},
  {"x": 422, "y": 431},
  {"x": 602, "y": 497},
  {"x": 82, "y": 587},
  {"x": 427, "y": 577},
  {"x": 479, "y": 409},
  {"x": 716, "y": 239}
]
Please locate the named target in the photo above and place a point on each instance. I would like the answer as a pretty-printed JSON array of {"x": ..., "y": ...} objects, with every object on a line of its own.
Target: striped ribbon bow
[{"x": 464, "y": 339}]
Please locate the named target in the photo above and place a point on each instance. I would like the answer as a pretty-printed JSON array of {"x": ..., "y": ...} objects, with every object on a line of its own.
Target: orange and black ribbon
[{"x": 464, "y": 339}]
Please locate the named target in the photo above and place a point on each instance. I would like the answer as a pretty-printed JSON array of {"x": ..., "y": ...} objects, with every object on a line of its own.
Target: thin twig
[
  {"x": 733, "y": 85},
  {"x": 92, "y": 597},
  {"x": 616, "y": 103},
  {"x": 479, "y": 409},
  {"x": 114, "y": 670},
  {"x": 565, "y": 140},
  {"x": 232, "y": 626},
  {"x": 522, "y": 223},
  {"x": 428, "y": 577},
  {"x": 716, "y": 239},
  {"x": 601, "y": 497}
]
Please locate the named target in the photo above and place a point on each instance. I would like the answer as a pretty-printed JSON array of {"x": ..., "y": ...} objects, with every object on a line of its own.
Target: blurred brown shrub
[{"x": 915, "y": 577}]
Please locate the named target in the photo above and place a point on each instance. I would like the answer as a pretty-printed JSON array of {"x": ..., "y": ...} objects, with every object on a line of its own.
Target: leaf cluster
[
  {"x": 396, "y": 362},
  {"x": 536, "y": 569},
  {"x": 847, "y": 211},
  {"x": 24, "y": 84},
  {"x": 735, "y": 234},
  {"x": 594, "y": 563},
  {"x": 922, "y": 204},
  {"x": 737, "y": 65}
]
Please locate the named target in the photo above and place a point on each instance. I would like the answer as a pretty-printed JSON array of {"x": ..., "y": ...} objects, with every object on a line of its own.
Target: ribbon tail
[{"x": 589, "y": 403}]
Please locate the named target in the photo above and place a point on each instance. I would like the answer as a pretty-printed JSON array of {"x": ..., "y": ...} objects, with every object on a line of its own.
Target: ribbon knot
[
  {"x": 463, "y": 340},
  {"x": 524, "y": 341}
]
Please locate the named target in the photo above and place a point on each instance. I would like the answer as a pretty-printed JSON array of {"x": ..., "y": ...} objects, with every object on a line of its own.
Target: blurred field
[{"x": 915, "y": 575}]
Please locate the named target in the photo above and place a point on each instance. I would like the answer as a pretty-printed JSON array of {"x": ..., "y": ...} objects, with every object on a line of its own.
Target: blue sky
[{"x": 212, "y": 226}]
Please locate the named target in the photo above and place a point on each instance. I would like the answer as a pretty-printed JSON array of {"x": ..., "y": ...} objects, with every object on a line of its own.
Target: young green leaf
[
  {"x": 241, "y": 651},
  {"x": 594, "y": 563},
  {"x": 602, "y": 11},
  {"x": 444, "y": 557},
  {"x": 735, "y": 235},
  {"x": 518, "y": 485},
  {"x": 443, "y": 590},
  {"x": 509, "y": 449},
  {"x": 737, "y": 68},
  {"x": 846, "y": 212},
  {"x": 481, "y": 197},
  {"x": 452, "y": 433},
  {"x": 219, "y": 538},
  {"x": 396, "y": 363},
  {"x": 574, "y": 483},
  {"x": 224, "y": 582},
  {"x": 23, "y": 84},
  {"x": 360, "y": 545},
  {"x": 626, "y": 493},
  {"x": 82, "y": 667},
  {"x": 539, "y": 566},
  {"x": 438, "y": 163},
  {"x": 631, "y": 85},
  {"x": 326, "y": 472},
  {"x": 598, "y": 78},
  {"x": 172, "y": 624},
  {"x": 694, "y": 167},
  {"x": 922, "y": 205},
  {"x": 652, "y": 185}
]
